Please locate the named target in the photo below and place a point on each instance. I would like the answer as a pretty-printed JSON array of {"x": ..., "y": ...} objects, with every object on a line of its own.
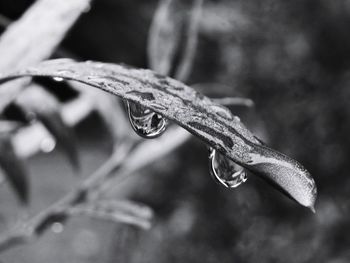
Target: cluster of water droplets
[
  {"x": 225, "y": 171},
  {"x": 145, "y": 122}
]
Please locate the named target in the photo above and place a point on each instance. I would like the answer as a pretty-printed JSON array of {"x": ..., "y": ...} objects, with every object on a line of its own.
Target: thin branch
[
  {"x": 37, "y": 225},
  {"x": 184, "y": 69},
  {"x": 127, "y": 159}
]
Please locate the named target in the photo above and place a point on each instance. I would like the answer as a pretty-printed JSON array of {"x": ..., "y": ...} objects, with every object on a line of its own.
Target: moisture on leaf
[{"x": 179, "y": 103}]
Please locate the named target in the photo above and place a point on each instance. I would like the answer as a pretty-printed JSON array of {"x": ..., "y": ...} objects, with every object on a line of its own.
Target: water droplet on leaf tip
[
  {"x": 145, "y": 122},
  {"x": 225, "y": 171}
]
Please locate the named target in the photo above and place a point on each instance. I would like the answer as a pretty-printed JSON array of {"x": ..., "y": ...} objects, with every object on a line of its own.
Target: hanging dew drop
[
  {"x": 225, "y": 171},
  {"x": 145, "y": 122}
]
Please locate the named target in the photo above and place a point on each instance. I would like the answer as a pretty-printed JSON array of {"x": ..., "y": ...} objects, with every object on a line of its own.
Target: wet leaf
[
  {"x": 209, "y": 121},
  {"x": 14, "y": 169},
  {"x": 174, "y": 23},
  {"x": 40, "y": 103}
]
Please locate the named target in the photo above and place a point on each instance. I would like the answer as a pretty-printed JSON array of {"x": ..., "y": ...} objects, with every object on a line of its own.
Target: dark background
[{"x": 292, "y": 58}]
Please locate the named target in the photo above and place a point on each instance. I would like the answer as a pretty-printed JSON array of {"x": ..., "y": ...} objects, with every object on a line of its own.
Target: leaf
[
  {"x": 174, "y": 32},
  {"x": 14, "y": 168},
  {"x": 46, "y": 108},
  {"x": 9, "y": 127},
  {"x": 207, "y": 120},
  {"x": 117, "y": 211},
  {"x": 34, "y": 37}
]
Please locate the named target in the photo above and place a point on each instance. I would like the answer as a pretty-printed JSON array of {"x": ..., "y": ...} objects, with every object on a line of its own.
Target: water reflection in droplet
[
  {"x": 225, "y": 171},
  {"x": 58, "y": 79},
  {"x": 145, "y": 122}
]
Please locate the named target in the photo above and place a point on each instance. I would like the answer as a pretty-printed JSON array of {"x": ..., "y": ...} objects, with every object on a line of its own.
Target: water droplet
[
  {"x": 57, "y": 227},
  {"x": 225, "y": 171},
  {"x": 47, "y": 145},
  {"x": 145, "y": 122},
  {"x": 57, "y": 79}
]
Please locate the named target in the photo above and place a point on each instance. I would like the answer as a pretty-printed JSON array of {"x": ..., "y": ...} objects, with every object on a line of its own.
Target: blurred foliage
[{"x": 292, "y": 59}]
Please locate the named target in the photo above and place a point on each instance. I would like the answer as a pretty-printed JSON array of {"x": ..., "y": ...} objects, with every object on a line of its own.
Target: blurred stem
[
  {"x": 127, "y": 158},
  {"x": 38, "y": 224}
]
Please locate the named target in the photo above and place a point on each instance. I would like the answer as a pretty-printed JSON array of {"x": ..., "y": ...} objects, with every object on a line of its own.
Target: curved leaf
[
  {"x": 175, "y": 21},
  {"x": 43, "y": 25},
  {"x": 209, "y": 121},
  {"x": 46, "y": 108},
  {"x": 13, "y": 168}
]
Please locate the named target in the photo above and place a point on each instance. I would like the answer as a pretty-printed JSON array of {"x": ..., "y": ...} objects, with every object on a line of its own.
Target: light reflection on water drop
[
  {"x": 145, "y": 122},
  {"x": 225, "y": 171},
  {"x": 58, "y": 79}
]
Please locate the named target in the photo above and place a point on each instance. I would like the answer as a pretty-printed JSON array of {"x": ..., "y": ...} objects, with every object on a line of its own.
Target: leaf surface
[{"x": 204, "y": 118}]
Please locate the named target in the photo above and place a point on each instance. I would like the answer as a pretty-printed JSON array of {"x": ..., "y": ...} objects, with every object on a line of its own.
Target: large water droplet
[
  {"x": 145, "y": 122},
  {"x": 225, "y": 171}
]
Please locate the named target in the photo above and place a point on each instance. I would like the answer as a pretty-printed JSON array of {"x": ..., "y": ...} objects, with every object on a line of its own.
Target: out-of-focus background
[{"x": 292, "y": 59}]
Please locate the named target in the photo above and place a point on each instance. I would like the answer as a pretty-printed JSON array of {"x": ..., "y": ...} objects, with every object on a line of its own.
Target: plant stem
[{"x": 38, "y": 224}]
